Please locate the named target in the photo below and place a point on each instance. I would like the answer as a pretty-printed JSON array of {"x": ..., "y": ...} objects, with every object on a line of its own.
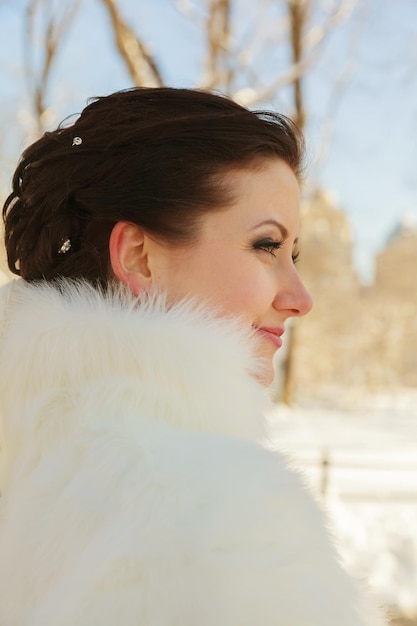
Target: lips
[{"x": 273, "y": 334}]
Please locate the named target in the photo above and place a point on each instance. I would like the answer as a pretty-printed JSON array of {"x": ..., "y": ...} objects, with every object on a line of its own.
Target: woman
[{"x": 156, "y": 239}]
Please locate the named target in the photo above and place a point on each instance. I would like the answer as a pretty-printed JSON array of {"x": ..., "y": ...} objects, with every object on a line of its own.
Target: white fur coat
[{"x": 134, "y": 492}]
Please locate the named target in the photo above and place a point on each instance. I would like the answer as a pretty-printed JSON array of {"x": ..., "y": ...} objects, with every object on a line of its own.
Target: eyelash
[{"x": 270, "y": 246}]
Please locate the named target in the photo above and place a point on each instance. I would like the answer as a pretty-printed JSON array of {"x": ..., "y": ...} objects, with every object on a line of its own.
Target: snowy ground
[{"x": 363, "y": 465}]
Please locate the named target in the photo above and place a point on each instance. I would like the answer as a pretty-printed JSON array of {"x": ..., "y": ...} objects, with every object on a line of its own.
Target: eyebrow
[{"x": 281, "y": 227}]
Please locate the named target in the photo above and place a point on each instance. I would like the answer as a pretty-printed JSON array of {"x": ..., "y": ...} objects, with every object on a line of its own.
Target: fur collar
[
  {"x": 181, "y": 363},
  {"x": 95, "y": 391}
]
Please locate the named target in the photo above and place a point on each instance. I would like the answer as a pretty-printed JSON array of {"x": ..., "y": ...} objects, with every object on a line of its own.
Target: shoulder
[
  {"x": 154, "y": 524},
  {"x": 260, "y": 541},
  {"x": 234, "y": 529}
]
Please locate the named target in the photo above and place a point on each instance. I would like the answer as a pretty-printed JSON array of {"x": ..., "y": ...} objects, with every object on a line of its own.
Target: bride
[{"x": 156, "y": 241}]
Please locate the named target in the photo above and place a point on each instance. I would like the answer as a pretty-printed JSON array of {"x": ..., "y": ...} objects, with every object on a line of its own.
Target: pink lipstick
[{"x": 273, "y": 334}]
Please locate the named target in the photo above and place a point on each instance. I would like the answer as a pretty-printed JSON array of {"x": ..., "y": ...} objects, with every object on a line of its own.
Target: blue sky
[{"x": 370, "y": 166}]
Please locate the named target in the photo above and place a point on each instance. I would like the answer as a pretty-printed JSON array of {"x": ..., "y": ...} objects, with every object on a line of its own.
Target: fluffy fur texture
[{"x": 134, "y": 491}]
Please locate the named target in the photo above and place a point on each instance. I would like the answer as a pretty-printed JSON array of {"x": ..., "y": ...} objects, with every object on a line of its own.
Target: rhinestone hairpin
[{"x": 65, "y": 247}]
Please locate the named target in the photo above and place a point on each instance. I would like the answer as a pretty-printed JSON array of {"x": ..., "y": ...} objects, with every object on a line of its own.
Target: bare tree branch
[
  {"x": 140, "y": 63},
  {"x": 54, "y": 34},
  {"x": 188, "y": 9},
  {"x": 310, "y": 46},
  {"x": 218, "y": 29},
  {"x": 335, "y": 15},
  {"x": 340, "y": 86},
  {"x": 298, "y": 11}
]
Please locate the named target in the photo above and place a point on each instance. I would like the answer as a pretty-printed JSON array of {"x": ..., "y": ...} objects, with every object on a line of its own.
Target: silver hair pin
[
  {"x": 65, "y": 247},
  {"x": 77, "y": 141}
]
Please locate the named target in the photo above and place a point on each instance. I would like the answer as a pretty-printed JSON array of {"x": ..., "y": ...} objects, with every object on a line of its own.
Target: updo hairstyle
[{"x": 154, "y": 157}]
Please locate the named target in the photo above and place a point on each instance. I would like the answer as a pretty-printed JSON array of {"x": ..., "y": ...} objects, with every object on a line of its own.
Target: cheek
[
  {"x": 232, "y": 282},
  {"x": 242, "y": 298},
  {"x": 239, "y": 289}
]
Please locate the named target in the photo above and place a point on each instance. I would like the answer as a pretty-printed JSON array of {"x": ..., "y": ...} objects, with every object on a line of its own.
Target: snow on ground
[{"x": 362, "y": 464}]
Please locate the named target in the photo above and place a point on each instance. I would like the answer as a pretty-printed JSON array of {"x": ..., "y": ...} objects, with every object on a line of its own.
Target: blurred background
[{"x": 346, "y": 72}]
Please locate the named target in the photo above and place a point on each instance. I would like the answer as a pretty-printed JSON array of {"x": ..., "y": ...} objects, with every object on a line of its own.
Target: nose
[{"x": 293, "y": 297}]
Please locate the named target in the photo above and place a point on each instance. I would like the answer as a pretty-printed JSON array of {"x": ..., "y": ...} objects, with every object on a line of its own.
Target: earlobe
[{"x": 128, "y": 256}]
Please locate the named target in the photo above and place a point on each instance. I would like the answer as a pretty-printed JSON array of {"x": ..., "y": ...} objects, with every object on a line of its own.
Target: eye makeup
[{"x": 268, "y": 245}]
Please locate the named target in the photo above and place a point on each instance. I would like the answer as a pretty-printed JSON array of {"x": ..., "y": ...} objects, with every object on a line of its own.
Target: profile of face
[{"x": 243, "y": 261}]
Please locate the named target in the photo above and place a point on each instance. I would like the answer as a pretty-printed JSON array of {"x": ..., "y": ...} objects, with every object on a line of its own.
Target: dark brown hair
[{"x": 157, "y": 158}]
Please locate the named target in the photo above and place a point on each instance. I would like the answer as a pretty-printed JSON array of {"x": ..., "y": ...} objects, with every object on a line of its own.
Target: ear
[{"x": 129, "y": 257}]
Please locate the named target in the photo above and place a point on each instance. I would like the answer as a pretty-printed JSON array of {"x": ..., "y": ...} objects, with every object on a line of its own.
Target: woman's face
[{"x": 244, "y": 259}]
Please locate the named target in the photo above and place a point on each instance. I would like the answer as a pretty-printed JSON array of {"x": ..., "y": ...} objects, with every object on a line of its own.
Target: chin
[{"x": 267, "y": 351}]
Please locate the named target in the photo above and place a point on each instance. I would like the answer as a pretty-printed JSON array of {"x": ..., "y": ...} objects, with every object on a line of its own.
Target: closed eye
[{"x": 268, "y": 245}]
